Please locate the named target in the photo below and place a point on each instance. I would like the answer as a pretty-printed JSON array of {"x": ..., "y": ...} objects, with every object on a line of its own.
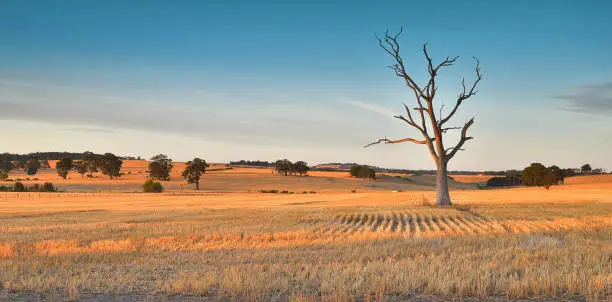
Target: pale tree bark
[{"x": 423, "y": 116}]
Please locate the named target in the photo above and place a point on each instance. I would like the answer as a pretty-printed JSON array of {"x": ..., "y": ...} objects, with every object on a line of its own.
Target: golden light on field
[{"x": 332, "y": 244}]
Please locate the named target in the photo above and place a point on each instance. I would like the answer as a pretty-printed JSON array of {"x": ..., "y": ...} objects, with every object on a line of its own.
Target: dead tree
[{"x": 423, "y": 117}]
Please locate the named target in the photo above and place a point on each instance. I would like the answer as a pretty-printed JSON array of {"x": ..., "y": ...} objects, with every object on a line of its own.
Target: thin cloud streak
[
  {"x": 593, "y": 99},
  {"x": 87, "y": 110},
  {"x": 373, "y": 108}
]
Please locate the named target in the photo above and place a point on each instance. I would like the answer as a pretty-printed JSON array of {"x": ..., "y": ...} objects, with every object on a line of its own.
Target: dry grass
[
  {"x": 240, "y": 179},
  {"x": 522, "y": 244},
  {"x": 480, "y": 178}
]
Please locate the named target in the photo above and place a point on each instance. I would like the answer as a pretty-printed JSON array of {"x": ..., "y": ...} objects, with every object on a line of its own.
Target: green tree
[
  {"x": 63, "y": 166},
  {"x": 362, "y": 171},
  {"x": 300, "y": 167},
  {"x": 194, "y": 170},
  {"x": 559, "y": 174},
  {"x": 110, "y": 165},
  {"x": 283, "y": 166},
  {"x": 91, "y": 161},
  {"x": 81, "y": 167},
  {"x": 160, "y": 167},
  {"x": 32, "y": 166},
  {"x": 151, "y": 186},
  {"x": 586, "y": 168},
  {"x": 5, "y": 166},
  {"x": 538, "y": 175}
]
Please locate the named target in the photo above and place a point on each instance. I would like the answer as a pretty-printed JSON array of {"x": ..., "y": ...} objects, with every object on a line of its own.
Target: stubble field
[{"x": 374, "y": 244}]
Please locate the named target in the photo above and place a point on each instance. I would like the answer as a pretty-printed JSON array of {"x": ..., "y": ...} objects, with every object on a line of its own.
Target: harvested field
[{"x": 524, "y": 243}]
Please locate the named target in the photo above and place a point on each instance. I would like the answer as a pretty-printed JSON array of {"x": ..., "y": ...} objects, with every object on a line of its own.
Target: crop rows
[{"x": 422, "y": 224}]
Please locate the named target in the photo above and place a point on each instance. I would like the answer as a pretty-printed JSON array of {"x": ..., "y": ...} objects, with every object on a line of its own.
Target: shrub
[
  {"x": 506, "y": 181},
  {"x": 19, "y": 187},
  {"x": 3, "y": 175},
  {"x": 48, "y": 187},
  {"x": 151, "y": 186},
  {"x": 363, "y": 172}
]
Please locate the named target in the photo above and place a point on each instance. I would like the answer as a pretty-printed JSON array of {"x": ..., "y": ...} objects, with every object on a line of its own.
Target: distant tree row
[
  {"x": 109, "y": 164},
  {"x": 362, "y": 171},
  {"x": 256, "y": 163},
  {"x": 535, "y": 174},
  {"x": 55, "y": 156},
  {"x": 286, "y": 167}
]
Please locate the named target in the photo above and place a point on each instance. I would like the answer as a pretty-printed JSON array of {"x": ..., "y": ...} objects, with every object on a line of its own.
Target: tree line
[
  {"x": 108, "y": 164},
  {"x": 255, "y": 163},
  {"x": 539, "y": 175}
]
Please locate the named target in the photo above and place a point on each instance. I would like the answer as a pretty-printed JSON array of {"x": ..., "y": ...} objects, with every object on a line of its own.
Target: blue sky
[{"x": 271, "y": 79}]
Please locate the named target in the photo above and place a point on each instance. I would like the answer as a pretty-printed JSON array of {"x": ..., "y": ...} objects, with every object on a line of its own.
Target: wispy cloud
[
  {"x": 221, "y": 119},
  {"x": 590, "y": 99},
  {"x": 86, "y": 129},
  {"x": 371, "y": 107}
]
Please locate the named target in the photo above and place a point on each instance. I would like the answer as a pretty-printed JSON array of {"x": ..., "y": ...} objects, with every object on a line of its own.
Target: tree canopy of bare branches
[{"x": 423, "y": 116}]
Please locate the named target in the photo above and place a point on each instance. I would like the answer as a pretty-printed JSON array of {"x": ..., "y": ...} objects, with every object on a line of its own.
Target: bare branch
[
  {"x": 403, "y": 140},
  {"x": 462, "y": 141},
  {"x": 391, "y": 46},
  {"x": 465, "y": 94},
  {"x": 430, "y": 88},
  {"x": 449, "y": 128}
]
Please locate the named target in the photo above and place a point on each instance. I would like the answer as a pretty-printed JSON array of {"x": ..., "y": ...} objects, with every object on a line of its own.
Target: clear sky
[{"x": 230, "y": 80}]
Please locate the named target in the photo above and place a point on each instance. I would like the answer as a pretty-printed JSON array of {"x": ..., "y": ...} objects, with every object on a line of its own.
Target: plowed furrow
[
  {"x": 352, "y": 224},
  {"x": 395, "y": 223},
  {"x": 377, "y": 223},
  {"x": 421, "y": 229},
  {"x": 488, "y": 226},
  {"x": 467, "y": 228},
  {"x": 497, "y": 224},
  {"x": 386, "y": 224},
  {"x": 476, "y": 229},
  {"x": 451, "y": 226},
  {"x": 414, "y": 229},
  {"x": 440, "y": 227},
  {"x": 404, "y": 220},
  {"x": 433, "y": 225}
]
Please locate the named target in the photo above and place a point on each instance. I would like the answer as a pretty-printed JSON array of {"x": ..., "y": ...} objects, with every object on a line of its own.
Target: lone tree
[
  {"x": 429, "y": 122},
  {"x": 160, "y": 167},
  {"x": 110, "y": 165},
  {"x": 194, "y": 170},
  {"x": 32, "y": 166},
  {"x": 63, "y": 166},
  {"x": 81, "y": 167},
  {"x": 91, "y": 161},
  {"x": 5, "y": 166},
  {"x": 538, "y": 175}
]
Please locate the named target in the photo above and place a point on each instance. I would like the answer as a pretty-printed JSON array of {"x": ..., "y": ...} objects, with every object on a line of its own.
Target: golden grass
[
  {"x": 521, "y": 243},
  {"x": 239, "y": 179},
  {"x": 472, "y": 178}
]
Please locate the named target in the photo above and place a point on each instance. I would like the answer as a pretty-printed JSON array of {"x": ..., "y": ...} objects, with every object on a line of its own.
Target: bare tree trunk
[
  {"x": 197, "y": 185},
  {"x": 442, "y": 195}
]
